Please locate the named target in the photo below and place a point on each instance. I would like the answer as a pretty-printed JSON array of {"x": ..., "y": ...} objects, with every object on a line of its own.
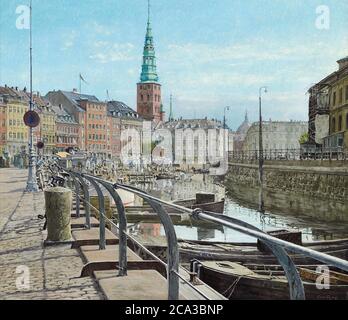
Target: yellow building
[
  {"x": 17, "y": 131},
  {"x": 46, "y": 132},
  {"x": 338, "y": 106}
]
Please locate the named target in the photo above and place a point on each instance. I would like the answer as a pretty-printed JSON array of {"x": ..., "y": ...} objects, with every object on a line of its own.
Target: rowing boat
[
  {"x": 248, "y": 252},
  {"x": 240, "y": 282}
]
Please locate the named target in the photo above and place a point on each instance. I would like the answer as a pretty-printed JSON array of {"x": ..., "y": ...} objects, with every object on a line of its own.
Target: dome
[{"x": 244, "y": 127}]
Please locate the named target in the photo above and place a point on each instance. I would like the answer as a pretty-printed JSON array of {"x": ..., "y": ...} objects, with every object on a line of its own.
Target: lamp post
[
  {"x": 263, "y": 89},
  {"x": 226, "y": 108},
  {"x": 224, "y": 140},
  {"x": 31, "y": 182},
  {"x": 261, "y": 203}
]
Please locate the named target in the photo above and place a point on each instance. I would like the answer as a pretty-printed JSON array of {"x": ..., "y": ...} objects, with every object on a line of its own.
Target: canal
[{"x": 312, "y": 229}]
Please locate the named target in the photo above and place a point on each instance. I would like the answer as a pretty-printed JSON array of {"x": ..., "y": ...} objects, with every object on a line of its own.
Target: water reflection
[{"x": 312, "y": 229}]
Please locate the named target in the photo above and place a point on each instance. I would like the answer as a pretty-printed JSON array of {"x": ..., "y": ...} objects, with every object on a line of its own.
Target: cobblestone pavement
[{"x": 53, "y": 271}]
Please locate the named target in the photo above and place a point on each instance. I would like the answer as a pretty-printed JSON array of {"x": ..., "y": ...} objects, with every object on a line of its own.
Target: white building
[{"x": 279, "y": 135}]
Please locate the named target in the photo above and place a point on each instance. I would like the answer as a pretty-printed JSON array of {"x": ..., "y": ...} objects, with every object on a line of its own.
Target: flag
[{"x": 81, "y": 78}]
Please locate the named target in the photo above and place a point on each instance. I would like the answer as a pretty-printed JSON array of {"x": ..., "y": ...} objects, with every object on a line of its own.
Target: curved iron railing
[{"x": 278, "y": 247}]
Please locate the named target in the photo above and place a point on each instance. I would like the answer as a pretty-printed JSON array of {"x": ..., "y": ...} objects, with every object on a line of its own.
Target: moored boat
[
  {"x": 249, "y": 252},
  {"x": 237, "y": 281}
]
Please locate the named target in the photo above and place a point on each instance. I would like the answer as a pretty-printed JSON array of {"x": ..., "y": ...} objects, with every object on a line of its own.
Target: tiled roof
[
  {"x": 193, "y": 124},
  {"x": 75, "y": 98},
  {"x": 120, "y": 109},
  {"x": 63, "y": 116}
]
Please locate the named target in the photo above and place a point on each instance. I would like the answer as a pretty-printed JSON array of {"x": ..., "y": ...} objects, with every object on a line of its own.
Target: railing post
[
  {"x": 122, "y": 229},
  {"x": 173, "y": 251},
  {"x": 77, "y": 196},
  {"x": 102, "y": 241},
  {"x": 87, "y": 201},
  {"x": 172, "y": 242}
]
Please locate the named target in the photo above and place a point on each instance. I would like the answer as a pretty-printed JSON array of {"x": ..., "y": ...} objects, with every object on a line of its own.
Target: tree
[{"x": 304, "y": 138}]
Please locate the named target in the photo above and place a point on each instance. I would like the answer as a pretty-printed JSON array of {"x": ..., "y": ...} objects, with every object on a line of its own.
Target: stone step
[
  {"x": 137, "y": 285},
  {"x": 111, "y": 253},
  {"x": 85, "y": 237},
  {"x": 77, "y": 223}
]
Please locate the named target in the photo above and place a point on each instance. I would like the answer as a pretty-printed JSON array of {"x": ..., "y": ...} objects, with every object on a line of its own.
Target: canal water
[{"x": 312, "y": 229}]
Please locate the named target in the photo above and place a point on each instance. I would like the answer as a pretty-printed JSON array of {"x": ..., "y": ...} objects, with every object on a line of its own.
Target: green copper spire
[{"x": 149, "y": 69}]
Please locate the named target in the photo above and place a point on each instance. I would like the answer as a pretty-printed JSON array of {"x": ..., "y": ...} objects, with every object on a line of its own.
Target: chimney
[
  {"x": 25, "y": 89},
  {"x": 342, "y": 63},
  {"x": 74, "y": 90}
]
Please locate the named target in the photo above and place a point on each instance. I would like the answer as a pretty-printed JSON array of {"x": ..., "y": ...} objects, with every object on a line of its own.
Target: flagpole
[{"x": 31, "y": 182}]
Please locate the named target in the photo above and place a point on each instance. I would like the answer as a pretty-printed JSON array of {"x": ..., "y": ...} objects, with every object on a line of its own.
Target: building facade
[
  {"x": 46, "y": 131},
  {"x": 277, "y": 135},
  {"x": 71, "y": 102},
  {"x": 67, "y": 130},
  {"x": 96, "y": 130},
  {"x": 3, "y": 126},
  {"x": 338, "y": 125},
  {"x": 194, "y": 144},
  {"x": 121, "y": 117},
  {"x": 149, "y": 91},
  {"x": 16, "y": 131}
]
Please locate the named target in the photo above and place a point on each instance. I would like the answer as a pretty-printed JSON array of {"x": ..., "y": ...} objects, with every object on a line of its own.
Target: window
[
  {"x": 340, "y": 96},
  {"x": 347, "y": 121},
  {"x": 334, "y": 98},
  {"x": 346, "y": 93},
  {"x": 340, "y": 123},
  {"x": 333, "y": 128}
]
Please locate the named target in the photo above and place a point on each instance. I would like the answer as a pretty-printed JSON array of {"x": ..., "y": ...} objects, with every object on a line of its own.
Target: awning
[{"x": 63, "y": 154}]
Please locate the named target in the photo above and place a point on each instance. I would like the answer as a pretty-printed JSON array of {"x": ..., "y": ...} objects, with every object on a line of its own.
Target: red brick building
[
  {"x": 96, "y": 128},
  {"x": 149, "y": 96}
]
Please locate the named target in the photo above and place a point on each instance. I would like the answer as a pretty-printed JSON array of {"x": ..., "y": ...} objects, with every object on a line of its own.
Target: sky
[{"x": 210, "y": 53}]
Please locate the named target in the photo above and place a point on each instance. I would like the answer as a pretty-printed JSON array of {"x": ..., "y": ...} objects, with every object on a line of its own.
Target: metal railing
[
  {"x": 291, "y": 154},
  {"x": 278, "y": 247}
]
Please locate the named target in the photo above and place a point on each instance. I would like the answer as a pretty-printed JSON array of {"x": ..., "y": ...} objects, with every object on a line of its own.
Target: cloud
[
  {"x": 69, "y": 40},
  {"x": 101, "y": 29},
  {"x": 253, "y": 50},
  {"x": 110, "y": 52}
]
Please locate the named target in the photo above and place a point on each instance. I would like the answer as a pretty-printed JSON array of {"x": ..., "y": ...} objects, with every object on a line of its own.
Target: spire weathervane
[
  {"x": 149, "y": 69},
  {"x": 148, "y": 10}
]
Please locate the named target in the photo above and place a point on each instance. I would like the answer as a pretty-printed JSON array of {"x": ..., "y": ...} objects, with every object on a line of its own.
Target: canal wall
[{"x": 320, "y": 192}]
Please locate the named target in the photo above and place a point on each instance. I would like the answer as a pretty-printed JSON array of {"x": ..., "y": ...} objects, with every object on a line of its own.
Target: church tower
[{"x": 149, "y": 97}]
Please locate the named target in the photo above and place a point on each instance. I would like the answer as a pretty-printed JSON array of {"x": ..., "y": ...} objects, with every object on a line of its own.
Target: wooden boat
[
  {"x": 249, "y": 252},
  {"x": 216, "y": 207},
  {"x": 236, "y": 281}
]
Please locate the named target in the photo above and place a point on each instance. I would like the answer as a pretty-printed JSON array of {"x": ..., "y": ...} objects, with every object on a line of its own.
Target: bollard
[{"x": 58, "y": 210}]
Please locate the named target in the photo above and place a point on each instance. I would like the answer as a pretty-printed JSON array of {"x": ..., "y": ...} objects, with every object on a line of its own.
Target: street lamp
[
  {"x": 226, "y": 108},
  {"x": 261, "y": 90},
  {"x": 31, "y": 182}
]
